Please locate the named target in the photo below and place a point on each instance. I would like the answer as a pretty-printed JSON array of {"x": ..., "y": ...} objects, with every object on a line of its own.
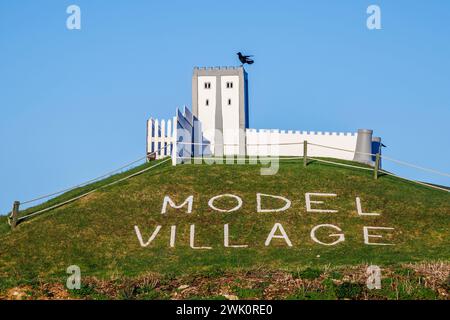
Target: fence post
[
  {"x": 15, "y": 213},
  {"x": 377, "y": 166},
  {"x": 305, "y": 153}
]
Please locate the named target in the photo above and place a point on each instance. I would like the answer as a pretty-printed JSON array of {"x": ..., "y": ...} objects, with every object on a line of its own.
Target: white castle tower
[
  {"x": 219, "y": 125},
  {"x": 220, "y": 102}
]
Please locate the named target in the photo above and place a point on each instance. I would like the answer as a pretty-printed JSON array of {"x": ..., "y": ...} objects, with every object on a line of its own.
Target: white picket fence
[
  {"x": 159, "y": 138},
  {"x": 179, "y": 137}
]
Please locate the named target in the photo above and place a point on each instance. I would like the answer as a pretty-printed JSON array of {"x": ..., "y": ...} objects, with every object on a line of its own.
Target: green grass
[
  {"x": 308, "y": 273},
  {"x": 97, "y": 232}
]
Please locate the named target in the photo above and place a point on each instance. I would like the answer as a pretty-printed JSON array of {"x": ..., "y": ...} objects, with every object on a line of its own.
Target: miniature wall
[{"x": 290, "y": 143}]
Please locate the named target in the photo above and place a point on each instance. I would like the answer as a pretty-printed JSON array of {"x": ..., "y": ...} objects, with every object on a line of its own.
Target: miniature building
[
  {"x": 219, "y": 126},
  {"x": 220, "y": 103}
]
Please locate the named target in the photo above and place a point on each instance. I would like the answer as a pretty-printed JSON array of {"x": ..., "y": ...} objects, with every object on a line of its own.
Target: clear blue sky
[{"x": 74, "y": 104}]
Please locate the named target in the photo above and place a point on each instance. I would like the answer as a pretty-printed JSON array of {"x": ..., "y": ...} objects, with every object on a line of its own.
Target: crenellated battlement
[
  {"x": 219, "y": 68},
  {"x": 310, "y": 133},
  {"x": 274, "y": 142}
]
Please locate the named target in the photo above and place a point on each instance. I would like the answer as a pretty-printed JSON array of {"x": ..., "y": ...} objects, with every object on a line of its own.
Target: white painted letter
[
  {"x": 152, "y": 237},
  {"x": 340, "y": 236},
  {"x": 359, "y": 209},
  {"x": 226, "y": 239},
  {"x": 374, "y": 20},
  {"x": 74, "y": 20},
  {"x": 192, "y": 239},
  {"x": 238, "y": 206},
  {"x": 367, "y": 236},
  {"x": 309, "y": 201},
  {"x": 282, "y": 236},
  {"x": 189, "y": 201},
  {"x": 258, "y": 203},
  {"x": 173, "y": 230}
]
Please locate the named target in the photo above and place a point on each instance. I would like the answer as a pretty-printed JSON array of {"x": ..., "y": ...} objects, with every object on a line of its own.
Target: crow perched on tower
[{"x": 245, "y": 59}]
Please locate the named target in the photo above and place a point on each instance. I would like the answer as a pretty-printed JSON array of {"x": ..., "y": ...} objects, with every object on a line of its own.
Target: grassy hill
[{"x": 97, "y": 234}]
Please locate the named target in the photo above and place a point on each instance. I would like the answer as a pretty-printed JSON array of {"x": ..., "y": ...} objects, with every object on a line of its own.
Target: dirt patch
[
  {"x": 433, "y": 274},
  {"x": 44, "y": 291},
  {"x": 334, "y": 283},
  {"x": 18, "y": 293}
]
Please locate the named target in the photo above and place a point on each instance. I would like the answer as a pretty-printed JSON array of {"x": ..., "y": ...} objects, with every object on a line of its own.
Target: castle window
[
  {"x": 207, "y": 102},
  {"x": 229, "y": 85},
  {"x": 229, "y": 102},
  {"x": 207, "y": 85}
]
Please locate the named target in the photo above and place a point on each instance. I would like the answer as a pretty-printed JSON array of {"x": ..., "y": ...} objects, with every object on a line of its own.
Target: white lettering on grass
[
  {"x": 152, "y": 237},
  {"x": 258, "y": 203},
  {"x": 340, "y": 236},
  {"x": 272, "y": 235},
  {"x": 167, "y": 200},
  {"x": 226, "y": 239},
  {"x": 367, "y": 236},
  {"x": 359, "y": 209},
  {"x": 237, "y": 207},
  {"x": 309, "y": 202}
]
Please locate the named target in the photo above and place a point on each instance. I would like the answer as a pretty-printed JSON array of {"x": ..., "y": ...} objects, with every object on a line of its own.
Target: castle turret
[
  {"x": 220, "y": 102},
  {"x": 363, "y": 148}
]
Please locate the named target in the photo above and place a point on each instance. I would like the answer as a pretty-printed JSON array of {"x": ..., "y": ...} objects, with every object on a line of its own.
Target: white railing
[{"x": 160, "y": 134}]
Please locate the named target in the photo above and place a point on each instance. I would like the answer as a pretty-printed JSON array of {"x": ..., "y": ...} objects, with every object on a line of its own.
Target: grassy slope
[{"x": 97, "y": 232}]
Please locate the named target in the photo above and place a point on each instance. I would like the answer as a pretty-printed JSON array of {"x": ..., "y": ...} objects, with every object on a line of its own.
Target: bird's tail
[{"x": 250, "y": 61}]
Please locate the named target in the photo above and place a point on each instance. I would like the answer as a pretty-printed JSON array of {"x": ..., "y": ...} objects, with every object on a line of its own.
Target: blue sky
[{"x": 73, "y": 104}]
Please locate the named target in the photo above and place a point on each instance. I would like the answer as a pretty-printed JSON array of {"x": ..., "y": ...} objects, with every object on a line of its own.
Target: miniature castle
[{"x": 219, "y": 125}]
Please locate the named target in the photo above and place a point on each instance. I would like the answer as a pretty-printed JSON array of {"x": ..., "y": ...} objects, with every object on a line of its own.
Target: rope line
[
  {"x": 415, "y": 181},
  {"x": 86, "y": 183},
  {"x": 273, "y": 144},
  {"x": 237, "y": 145},
  {"x": 92, "y": 191},
  {"x": 340, "y": 164},
  {"x": 82, "y": 184},
  {"x": 416, "y": 166},
  {"x": 92, "y": 180},
  {"x": 333, "y": 148},
  {"x": 250, "y": 157},
  {"x": 385, "y": 172},
  {"x": 283, "y": 158},
  {"x": 340, "y": 149}
]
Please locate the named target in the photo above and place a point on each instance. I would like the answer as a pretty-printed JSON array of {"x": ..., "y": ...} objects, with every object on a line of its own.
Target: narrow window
[
  {"x": 207, "y": 102},
  {"x": 207, "y": 85},
  {"x": 229, "y": 102},
  {"x": 229, "y": 85}
]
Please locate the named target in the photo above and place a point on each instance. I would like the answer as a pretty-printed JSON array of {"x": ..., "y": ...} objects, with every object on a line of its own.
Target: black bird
[{"x": 245, "y": 59}]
